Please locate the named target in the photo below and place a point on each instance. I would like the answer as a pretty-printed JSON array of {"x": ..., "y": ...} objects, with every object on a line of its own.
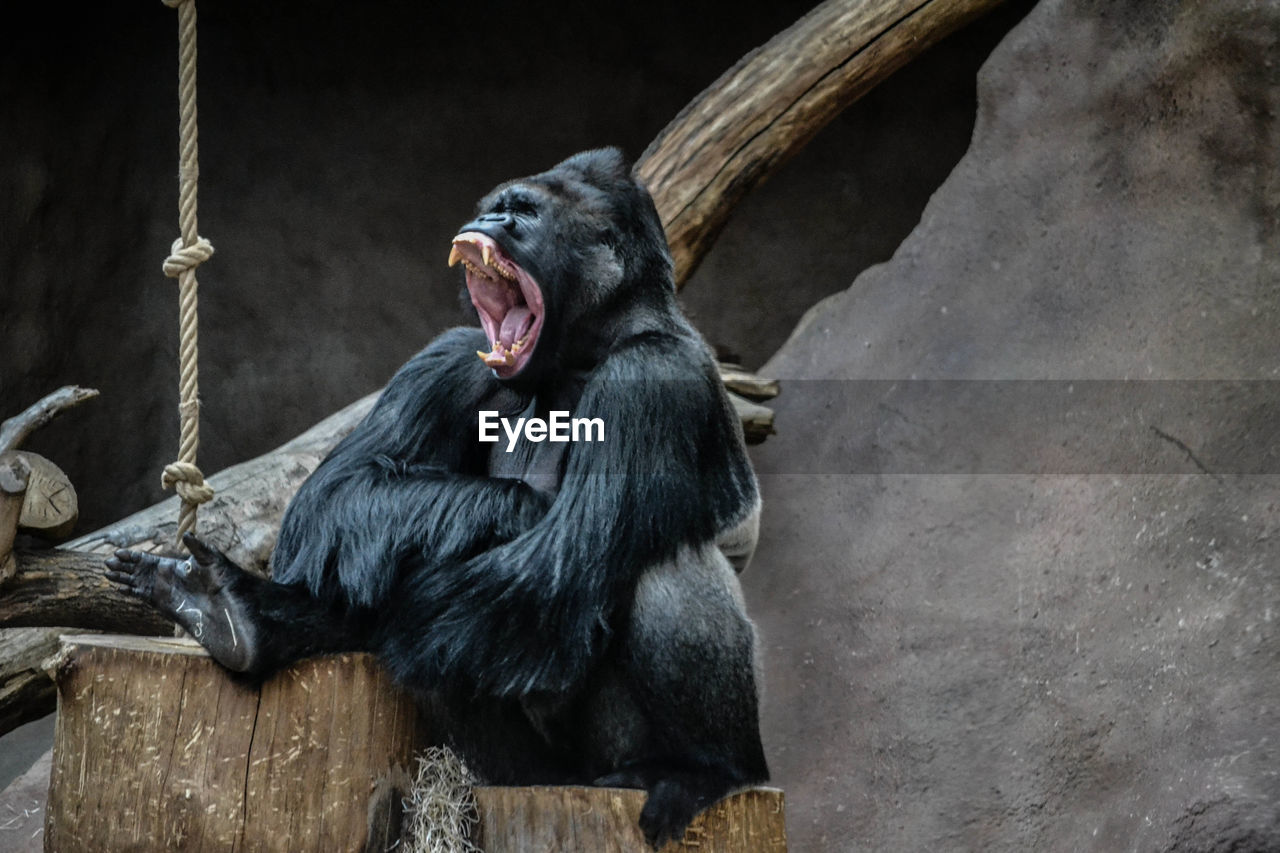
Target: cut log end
[{"x": 50, "y": 506}]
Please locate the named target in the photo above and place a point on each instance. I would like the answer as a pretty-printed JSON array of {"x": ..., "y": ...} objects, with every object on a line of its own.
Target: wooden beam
[{"x": 768, "y": 106}]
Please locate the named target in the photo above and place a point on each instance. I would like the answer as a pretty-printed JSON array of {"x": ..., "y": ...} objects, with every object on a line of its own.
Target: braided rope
[{"x": 188, "y": 252}]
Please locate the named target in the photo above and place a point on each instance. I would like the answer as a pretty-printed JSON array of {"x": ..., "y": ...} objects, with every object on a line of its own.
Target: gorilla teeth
[
  {"x": 493, "y": 266},
  {"x": 492, "y": 273},
  {"x": 483, "y": 272}
]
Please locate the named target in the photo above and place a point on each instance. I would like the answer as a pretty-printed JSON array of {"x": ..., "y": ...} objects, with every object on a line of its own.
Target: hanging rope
[{"x": 188, "y": 252}]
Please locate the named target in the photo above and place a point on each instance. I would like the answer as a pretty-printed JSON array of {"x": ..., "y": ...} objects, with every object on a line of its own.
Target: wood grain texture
[
  {"x": 26, "y": 691},
  {"x": 605, "y": 820},
  {"x": 771, "y": 103},
  {"x": 68, "y": 588},
  {"x": 159, "y": 748}
]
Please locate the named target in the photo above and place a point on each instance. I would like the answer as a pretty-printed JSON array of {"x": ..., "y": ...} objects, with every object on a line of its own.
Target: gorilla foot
[
  {"x": 196, "y": 593},
  {"x": 674, "y": 800}
]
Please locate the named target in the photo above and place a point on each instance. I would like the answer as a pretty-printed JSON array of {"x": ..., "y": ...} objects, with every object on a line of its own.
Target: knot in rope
[
  {"x": 182, "y": 258},
  {"x": 186, "y": 478}
]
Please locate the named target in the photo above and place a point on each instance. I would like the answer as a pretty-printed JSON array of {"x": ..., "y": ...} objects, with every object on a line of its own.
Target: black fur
[{"x": 564, "y": 609}]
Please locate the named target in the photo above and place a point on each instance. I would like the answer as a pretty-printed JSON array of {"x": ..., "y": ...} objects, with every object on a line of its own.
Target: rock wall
[{"x": 1018, "y": 580}]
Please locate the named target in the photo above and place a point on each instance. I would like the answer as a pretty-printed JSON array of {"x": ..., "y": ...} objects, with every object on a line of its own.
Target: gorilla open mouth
[{"x": 507, "y": 298}]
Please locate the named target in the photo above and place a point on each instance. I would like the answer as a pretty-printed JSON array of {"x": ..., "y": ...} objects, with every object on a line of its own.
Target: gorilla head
[{"x": 579, "y": 247}]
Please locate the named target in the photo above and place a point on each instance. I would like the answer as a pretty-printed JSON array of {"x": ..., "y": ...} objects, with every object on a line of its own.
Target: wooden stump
[
  {"x": 158, "y": 748},
  {"x": 604, "y": 820}
]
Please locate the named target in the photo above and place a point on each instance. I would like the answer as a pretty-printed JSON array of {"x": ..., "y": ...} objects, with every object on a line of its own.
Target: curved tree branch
[
  {"x": 15, "y": 430},
  {"x": 767, "y": 107}
]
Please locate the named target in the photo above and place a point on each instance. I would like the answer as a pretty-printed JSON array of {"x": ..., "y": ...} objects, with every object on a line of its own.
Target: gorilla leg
[
  {"x": 690, "y": 708},
  {"x": 248, "y": 624}
]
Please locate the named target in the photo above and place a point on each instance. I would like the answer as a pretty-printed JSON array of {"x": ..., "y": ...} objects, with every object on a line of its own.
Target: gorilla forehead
[{"x": 593, "y": 183}]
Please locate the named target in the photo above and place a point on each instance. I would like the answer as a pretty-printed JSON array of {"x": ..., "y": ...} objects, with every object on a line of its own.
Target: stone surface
[
  {"x": 1045, "y": 614},
  {"x": 22, "y": 805}
]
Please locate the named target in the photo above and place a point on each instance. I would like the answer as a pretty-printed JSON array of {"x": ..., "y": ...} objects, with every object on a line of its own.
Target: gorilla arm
[
  {"x": 406, "y": 481},
  {"x": 531, "y": 616}
]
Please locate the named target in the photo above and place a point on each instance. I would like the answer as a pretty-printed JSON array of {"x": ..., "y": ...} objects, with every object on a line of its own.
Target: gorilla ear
[{"x": 601, "y": 167}]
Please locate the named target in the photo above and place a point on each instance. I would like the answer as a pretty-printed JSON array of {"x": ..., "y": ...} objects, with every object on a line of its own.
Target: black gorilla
[{"x": 569, "y": 611}]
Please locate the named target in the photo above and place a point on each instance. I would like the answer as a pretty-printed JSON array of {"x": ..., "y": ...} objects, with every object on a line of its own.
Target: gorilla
[{"x": 568, "y": 612}]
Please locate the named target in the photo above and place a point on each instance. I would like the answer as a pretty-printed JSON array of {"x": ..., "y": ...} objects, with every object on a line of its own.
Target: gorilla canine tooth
[{"x": 454, "y": 255}]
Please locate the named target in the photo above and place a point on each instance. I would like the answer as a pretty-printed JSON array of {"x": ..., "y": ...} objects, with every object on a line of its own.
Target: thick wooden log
[
  {"x": 606, "y": 820},
  {"x": 250, "y": 498},
  {"x": 26, "y": 691},
  {"x": 158, "y": 748},
  {"x": 768, "y": 106},
  {"x": 747, "y": 384},
  {"x": 68, "y": 588},
  {"x": 757, "y": 420},
  {"x": 50, "y": 506},
  {"x": 244, "y": 516}
]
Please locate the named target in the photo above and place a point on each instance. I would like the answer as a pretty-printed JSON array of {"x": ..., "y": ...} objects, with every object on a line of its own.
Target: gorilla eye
[{"x": 518, "y": 205}]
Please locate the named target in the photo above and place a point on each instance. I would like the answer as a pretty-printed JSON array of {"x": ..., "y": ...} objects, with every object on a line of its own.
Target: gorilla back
[{"x": 569, "y": 611}]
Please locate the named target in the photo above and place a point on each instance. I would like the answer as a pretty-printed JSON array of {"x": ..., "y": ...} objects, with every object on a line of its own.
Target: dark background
[
  {"x": 340, "y": 146},
  {"x": 994, "y": 615}
]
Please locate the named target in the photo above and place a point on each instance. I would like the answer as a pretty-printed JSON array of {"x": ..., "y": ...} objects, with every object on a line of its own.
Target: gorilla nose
[{"x": 488, "y": 222}]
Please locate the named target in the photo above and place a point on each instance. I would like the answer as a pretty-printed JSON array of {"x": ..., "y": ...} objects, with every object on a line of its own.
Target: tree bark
[
  {"x": 68, "y": 588},
  {"x": 26, "y": 691},
  {"x": 768, "y": 106}
]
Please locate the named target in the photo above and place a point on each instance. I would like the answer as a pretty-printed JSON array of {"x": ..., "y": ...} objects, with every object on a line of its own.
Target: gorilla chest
[
  {"x": 535, "y": 443},
  {"x": 540, "y": 464}
]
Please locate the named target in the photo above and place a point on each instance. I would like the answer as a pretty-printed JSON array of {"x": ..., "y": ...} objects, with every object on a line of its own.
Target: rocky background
[
  {"x": 1026, "y": 601},
  {"x": 1034, "y": 603}
]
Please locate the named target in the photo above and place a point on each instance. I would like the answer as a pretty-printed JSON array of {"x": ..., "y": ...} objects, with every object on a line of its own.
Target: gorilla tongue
[
  {"x": 515, "y": 326},
  {"x": 518, "y": 320}
]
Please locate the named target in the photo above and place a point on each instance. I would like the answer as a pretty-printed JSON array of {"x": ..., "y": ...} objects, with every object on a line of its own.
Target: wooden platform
[{"x": 159, "y": 748}]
